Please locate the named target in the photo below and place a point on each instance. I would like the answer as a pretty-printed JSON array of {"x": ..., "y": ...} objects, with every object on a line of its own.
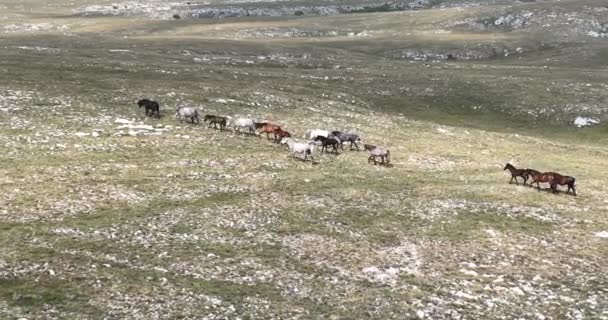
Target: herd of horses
[
  {"x": 332, "y": 141},
  {"x": 554, "y": 179},
  {"x": 326, "y": 139}
]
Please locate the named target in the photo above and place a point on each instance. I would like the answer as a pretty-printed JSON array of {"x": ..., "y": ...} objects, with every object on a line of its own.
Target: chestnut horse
[
  {"x": 554, "y": 179},
  {"x": 266, "y": 127}
]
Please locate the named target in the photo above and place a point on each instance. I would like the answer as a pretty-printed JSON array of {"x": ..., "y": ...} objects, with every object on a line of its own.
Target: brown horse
[
  {"x": 545, "y": 177},
  {"x": 267, "y": 128},
  {"x": 279, "y": 134},
  {"x": 558, "y": 179},
  {"x": 554, "y": 179},
  {"x": 523, "y": 173}
]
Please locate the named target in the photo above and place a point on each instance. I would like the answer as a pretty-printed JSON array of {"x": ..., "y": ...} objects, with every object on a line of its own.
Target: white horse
[
  {"x": 313, "y": 133},
  {"x": 241, "y": 122},
  {"x": 305, "y": 148},
  {"x": 378, "y": 152},
  {"x": 185, "y": 113}
]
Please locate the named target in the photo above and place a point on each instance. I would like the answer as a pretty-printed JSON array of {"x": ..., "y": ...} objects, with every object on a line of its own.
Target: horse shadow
[
  {"x": 313, "y": 162},
  {"x": 548, "y": 190}
]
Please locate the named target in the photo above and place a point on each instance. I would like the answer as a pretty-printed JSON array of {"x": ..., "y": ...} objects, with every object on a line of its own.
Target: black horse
[
  {"x": 151, "y": 107},
  {"x": 523, "y": 173},
  {"x": 328, "y": 142}
]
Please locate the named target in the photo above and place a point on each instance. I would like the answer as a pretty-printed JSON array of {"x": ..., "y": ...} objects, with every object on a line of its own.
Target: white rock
[
  {"x": 517, "y": 291},
  {"x": 123, "y": 121},
  {"x": 469, "y": 272},
  {"x": 585, "y": 122},
  {"x": 602, "y": 234}
]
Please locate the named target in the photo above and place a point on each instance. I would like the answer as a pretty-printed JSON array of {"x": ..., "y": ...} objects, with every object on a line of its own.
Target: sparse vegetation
[{"x": 107, "y": 213}]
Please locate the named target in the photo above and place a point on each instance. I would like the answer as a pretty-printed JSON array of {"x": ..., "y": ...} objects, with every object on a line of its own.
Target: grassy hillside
[{"x": 109, "y": 214}]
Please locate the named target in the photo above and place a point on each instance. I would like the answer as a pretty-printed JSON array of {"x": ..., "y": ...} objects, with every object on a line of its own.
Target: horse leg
[
  {"x": 511, "y": 181},
  {"x": 554, "y": 187},
  {"x": 355, "y": 145},
  {"x": 573, "y": 190}
]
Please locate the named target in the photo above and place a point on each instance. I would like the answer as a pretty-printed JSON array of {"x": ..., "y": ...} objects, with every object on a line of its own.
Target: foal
[{"x": 523, "y": 173}]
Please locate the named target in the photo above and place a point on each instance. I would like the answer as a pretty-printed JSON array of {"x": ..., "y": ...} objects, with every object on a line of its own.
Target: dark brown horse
[
  {"x": 561, "y": 180},
  {"x": 215, "y": 120},
  {"x": 279, "y": 134},
  {"x": 523, "y": 173}
]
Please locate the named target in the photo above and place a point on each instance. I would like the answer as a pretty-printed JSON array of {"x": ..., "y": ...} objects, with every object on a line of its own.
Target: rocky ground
[{"x": 106, "y": 213}]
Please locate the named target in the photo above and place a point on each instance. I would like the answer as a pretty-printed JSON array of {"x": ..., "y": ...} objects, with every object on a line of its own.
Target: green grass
[{"x": 168, "y": 222}]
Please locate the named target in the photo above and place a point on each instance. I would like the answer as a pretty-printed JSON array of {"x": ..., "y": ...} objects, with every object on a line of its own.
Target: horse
[
  {"x": 328, "y": 142},
  {"x": 523, "y": 173},
  {"x": 215, "y": 120},
  {"x": 150, "y": 106},
  {"x": 347, "y": 137},
  {"x": 185, "y": 113},
  {"x": 280, "y": 134},
  {"x": 267, "y": 128},
  {"x": 561, "y": 180},
  {"x": 304, "y": 148},
  {"x": 554, "y": 179},
  {"x": 377, "y": 152},
  {"x": 313, "y": 133},
  {"x": 260, "y": 124},
  {"x": 241, "y": 122}
]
